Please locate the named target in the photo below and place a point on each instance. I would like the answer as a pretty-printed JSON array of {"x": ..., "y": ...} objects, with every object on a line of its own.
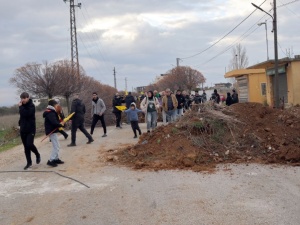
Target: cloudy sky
[{"x": 141, "y": 38}]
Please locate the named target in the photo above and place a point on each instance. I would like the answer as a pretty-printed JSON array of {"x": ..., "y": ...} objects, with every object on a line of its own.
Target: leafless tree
[
  {"x": 181, "y": 77},
  {"x": 239, "y": 58},
  {"x": 36, "y": 79}
]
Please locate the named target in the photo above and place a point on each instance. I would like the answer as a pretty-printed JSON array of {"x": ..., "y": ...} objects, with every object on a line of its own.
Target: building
[{"x": 256, "y": 83}]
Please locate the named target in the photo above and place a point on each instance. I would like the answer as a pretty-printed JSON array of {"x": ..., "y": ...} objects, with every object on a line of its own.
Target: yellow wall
[
  {"x": 255, "y": 92},
  {"x": 293, "y": 81}
]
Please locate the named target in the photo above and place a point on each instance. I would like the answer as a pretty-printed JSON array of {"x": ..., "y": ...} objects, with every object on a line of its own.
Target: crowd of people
[{"x": 171, "y": 106}]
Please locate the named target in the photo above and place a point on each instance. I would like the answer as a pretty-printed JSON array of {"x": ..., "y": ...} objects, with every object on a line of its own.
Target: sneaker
[
  {"x": 27, "y": 166},
  {"x": 135, "y": 136},
  {"x": 90, "y": 141},
  {"x": 51, "y": 163},
  {"x": 104, "y": 135},
  {"x": 38, "y": 160},
  {"x": 66, "y": 136},
  {"x": 58, "y": 161},
  {"x": 71, "y": 145}
]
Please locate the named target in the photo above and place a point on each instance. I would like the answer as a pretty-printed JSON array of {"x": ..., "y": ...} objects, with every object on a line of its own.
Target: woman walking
[{"x": 150, "y": 105}]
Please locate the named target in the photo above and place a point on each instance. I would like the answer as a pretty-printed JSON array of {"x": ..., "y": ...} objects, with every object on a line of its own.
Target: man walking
[
  {"x": 98, "y": 109},
  {"x": 169, "y": 105},
  {"x": 28, "y": 128},
  {"x": 78, "y": 120}
]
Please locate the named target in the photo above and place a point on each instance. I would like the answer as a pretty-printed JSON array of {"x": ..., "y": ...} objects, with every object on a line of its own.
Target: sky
[{"x": 141, "y": 38}]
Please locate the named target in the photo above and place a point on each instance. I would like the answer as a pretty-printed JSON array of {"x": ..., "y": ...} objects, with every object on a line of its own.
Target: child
[
  {"x": 132, "y": 113},
  {"x": 51, "y": 127}
]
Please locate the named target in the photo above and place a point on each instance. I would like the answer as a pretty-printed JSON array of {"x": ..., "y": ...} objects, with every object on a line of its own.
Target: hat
[{"x": 52, "y": 102}]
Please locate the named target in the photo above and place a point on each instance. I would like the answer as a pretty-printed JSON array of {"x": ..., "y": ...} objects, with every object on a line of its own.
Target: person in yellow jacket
[{"x": 169, "y": 105}]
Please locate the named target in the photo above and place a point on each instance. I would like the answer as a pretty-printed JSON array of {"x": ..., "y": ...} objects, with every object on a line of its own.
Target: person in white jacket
[{"x": 150, "y": 105}]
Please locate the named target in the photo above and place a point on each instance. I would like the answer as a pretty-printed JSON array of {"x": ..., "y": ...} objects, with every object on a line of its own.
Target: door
[{"x": 242, "y": 82}]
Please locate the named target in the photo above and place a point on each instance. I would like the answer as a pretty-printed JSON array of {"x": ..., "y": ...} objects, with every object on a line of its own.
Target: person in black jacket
[
  {"x": 117, "y": 101},
  {"x": 235, "y": 97},
  {"x": 78, "y": 120},
  {"x": 52, "y": 126},
  {"x": 181, "y": 101},
  {"x": 28, "y": 128},
  {"x": 228, "y": 99},
  {"x": 128, "y": 100}
]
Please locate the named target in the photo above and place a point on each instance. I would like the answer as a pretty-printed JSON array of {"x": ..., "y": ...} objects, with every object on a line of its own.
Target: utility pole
[
  {"x": 125, "y": 83},
  {"x": 74, "y": 48},
  {"x": 276, "y": 95},
  {"x": 177, "y": 61},
  {"x": 115, "y": 81}
]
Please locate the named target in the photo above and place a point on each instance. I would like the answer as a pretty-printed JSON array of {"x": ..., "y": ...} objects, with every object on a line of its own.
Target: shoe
[
  {"x": 90, "y": 141},
  {"x": 135, "y": 136},
  {"x": 140, "y": 133},
  {"x": 51, "y": 163},
  {"x": 58, "y": 161},
  {"x": 148, "y": 131},
  {"x": 71, "y": 145},
  {"x": 66, "y": 137},
  {"x": 27, "y": 166},
  {"x": 104, "y": 135},
  {"x": 38, "y": 160}
]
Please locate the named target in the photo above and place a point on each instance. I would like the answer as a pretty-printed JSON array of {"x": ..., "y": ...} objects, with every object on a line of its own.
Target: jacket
[
  {"x": 117, "y": 102},
  {"x": 27, "y": 117},
  {"x": 51, "y": 120},
  {"x": 128, "y": 100},
  {"x": 98, "y": 108},
  {"x": 133, "y": 114},
  {"x": 165, "y": 102},
  {"x": 145, "y": 102},
  {"x": 181, "y": 100},
  {"x": 79, "y": 108}
]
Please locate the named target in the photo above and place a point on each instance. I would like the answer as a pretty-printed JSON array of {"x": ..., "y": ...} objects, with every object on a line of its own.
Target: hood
[
  {"x": 133, "y": 104},
  {"x": 48, "y": 110}
]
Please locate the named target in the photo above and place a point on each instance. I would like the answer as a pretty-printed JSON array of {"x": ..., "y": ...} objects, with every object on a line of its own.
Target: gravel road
[{"x": 234, "y": 195}]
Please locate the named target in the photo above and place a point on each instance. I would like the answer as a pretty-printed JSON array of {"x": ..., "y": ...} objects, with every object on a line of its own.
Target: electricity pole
[
  {"x": 177, "y": 61},
  {"x": 125, "y": 83},
  {"x": 115, "y": 81},
  {"x": 74, "y": 48}
]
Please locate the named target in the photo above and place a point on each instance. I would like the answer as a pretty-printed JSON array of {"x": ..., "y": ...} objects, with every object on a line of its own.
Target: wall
[
  {"x": 255, "y": 92},
  {"x": 293, "y": 79}
]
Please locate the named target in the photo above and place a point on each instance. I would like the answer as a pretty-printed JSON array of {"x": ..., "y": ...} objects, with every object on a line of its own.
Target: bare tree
[
  {"x": 37, "y": 79},
  {"x": 181, "y": 77},
  {"x": 239, "y": 58}
]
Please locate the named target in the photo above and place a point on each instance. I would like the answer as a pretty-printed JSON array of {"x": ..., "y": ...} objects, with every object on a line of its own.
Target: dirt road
[{"x": 235, "y": 194}]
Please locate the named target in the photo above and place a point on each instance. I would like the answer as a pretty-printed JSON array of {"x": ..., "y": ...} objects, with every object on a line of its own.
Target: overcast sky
[{"x": 140, "y": 38}]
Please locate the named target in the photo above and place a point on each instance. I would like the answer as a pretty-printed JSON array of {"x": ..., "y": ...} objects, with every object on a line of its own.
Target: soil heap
[{"x": 209, "y": 135}]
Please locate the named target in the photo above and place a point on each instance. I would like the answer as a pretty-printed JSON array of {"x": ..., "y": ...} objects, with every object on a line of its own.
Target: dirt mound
[{"x": 242, "y": 133}]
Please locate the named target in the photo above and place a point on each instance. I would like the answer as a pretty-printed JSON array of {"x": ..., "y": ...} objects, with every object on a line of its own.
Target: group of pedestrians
[{"x": 232, "y": 98}]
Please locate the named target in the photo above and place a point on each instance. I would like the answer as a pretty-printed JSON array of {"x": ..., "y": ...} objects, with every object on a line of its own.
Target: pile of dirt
[{"x": 205, "y": 137}]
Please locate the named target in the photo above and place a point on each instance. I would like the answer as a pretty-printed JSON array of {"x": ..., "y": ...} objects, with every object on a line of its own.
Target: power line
[{"x": 224, "y": 35}]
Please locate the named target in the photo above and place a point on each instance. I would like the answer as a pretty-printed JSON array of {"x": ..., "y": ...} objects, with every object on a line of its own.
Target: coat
[
  {"x": 79, "y": 108},
  {"x": 51, "y": 120},
  {"x": 98, "y": 107},
  {"x": 165, "y": 102},
  {"x": 144, "y": 105},
  {"x": 27, "y": 117}
]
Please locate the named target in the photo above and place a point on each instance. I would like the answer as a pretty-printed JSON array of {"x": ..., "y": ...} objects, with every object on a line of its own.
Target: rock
[
  {"x": 289, "y": 122},
  {"x": 227, "y": 152},
  {"x": 187, "y": 162},
  {"x": 267, "y": 129}
]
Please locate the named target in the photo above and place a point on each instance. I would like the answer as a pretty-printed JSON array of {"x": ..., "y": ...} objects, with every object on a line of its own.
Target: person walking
[
  {"x": 169, "y": 105},
  {"x": 132, "y": 112},
  {"x": 117, "y": 101},
  {"x": 28, "y": 128},
  {"x": 150, "y": 105},
  {"x": 215, "y": 97},
  {"x": 97, "y": 113},
  {"x": 78, "y": 121},
  {"x": 181, "y": 101},
  {"x": 128, "y": 100},
  {"x": 52, "y": 125}
]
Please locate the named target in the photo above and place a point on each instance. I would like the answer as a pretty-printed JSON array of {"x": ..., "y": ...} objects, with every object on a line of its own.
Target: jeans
[
  {"x": 151, "y": 120},
  {"x": 171, "y": 115},
  {"x": 118, "y": 115},
  {"x": 179, "y": 113},
  {"x": 55, "y": 147}
]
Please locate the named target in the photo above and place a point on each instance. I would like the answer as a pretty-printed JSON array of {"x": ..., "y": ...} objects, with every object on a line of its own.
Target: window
[{"x": 263, "y": 89}]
